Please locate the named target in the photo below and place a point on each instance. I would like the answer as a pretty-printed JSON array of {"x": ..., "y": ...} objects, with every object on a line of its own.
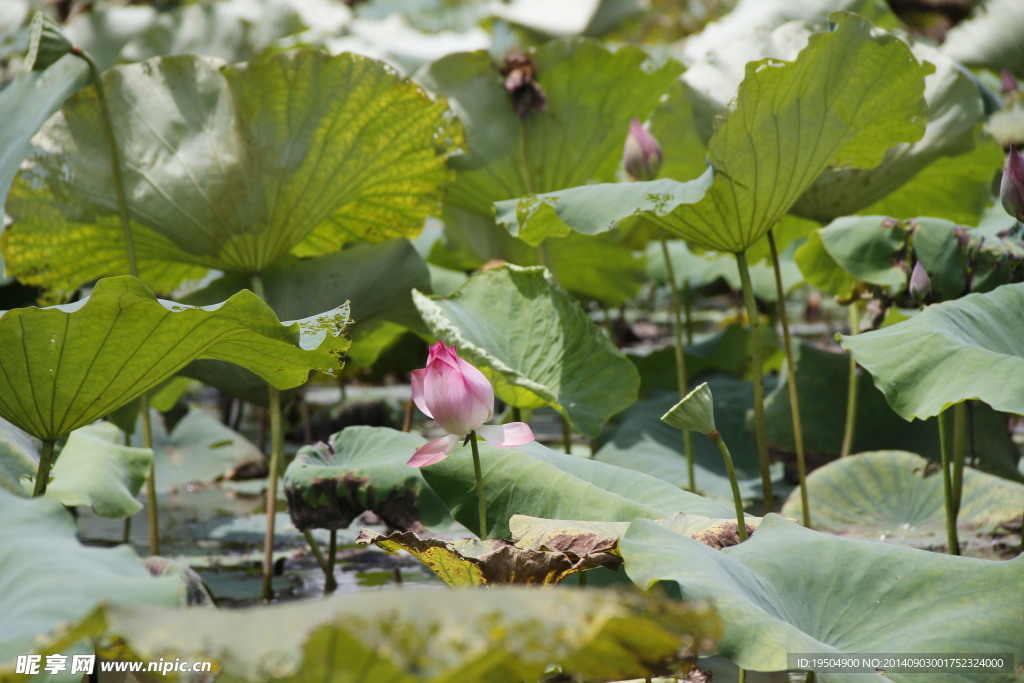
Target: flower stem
[
  {"x": 947, "y": 486},
  {"x": 276, "y": 455},
  {"x": 794, "y": 401},
  {"x": 43, "y": 472},
  {"x": 331, "y": 584},
  {"x": 566, "y": 435},
  {"x": 481, "y": 501},
  {"x": 757, "y": 361},
  {"x": 741, "y": 524},
  {"x": 680, "y": 354},
  {"x": 959, "y": 453},
  {"x": 852, "y": 386}
]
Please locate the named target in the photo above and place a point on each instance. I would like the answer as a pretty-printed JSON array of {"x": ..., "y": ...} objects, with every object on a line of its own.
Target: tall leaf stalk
[
  {"x": 45, "y": 463},
  {"x": 794, "y": 401},
  {"x": 851, "y": 389},
  {"x": 757, "y": 362},
  {"x": 947, "y": 485},
  {"x": 680, "y": 354},
  {"x": 152, "y": 512}
]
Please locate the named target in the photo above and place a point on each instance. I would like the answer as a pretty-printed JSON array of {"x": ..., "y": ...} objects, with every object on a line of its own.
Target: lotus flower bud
[
  {"x": 1008, "y": 82},
  {"x": 642, "y": 153},
  {"x": 920, "y": 283},
  {"x": 1011, "y": 188}
]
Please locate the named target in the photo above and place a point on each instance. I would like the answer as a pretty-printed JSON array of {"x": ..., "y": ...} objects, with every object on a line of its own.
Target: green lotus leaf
[
  {"x": 822, "y": 381},
  {"x": 66, "y": 366},
  {"x": 854, "y": 94},
  {"x": 52, "y": 579},
  {"x": 230, "y": 167},
  {"x": 578, "y": 137},
  {"x": 198, "y": 448},
  {"x": 535, "y": 343},
  {"x": 854, "y": 248},
  {"x": 504, "y": 635},
  {"x": 897, "y": 497},
  {"x": 19, "y": 458},
  {"x": 955, "y": 113},
  {"x": 536, "y": 481},
  {"x": 489, "y": 562},
  {"x": 376, "y": 279},
  {"x": 790, "y": 590},
  {"x": 361, "y": 468},
  {"x": 97, "y": 470},
  {"x": 952, "y": 351}
]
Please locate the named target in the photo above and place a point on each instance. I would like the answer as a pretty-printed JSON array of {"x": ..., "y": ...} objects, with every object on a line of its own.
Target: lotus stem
[
  {"x": 680, "y": 354},
  {"x": 947, "y": 486},
  {"x": 688, "y": 311},
  {"x": 133, "y": 270},
  {"x": 314, "y": 547},
  {"x": 757, "y": 351},
  {"x": 959, "y": 453},
  {"x": 794, "y": 401},
  {"x": 331, "y": 584},
  {"x": 741, "y": 524},
  {"x": 566, "y": 435},
  {"x": 43, "y": 472},
  {"x": 481, "y": 501},
  {"x": 852, "y": 386},
  {"x": 276, "y": 455}
]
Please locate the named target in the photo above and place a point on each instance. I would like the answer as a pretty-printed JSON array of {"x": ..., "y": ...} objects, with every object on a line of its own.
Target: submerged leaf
[{"x": 66, "y": 366}]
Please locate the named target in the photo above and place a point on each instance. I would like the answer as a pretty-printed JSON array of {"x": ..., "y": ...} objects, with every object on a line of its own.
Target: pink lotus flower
[
  {"x": 460, "y": 399},
  {"x": 642, "y": 154}
]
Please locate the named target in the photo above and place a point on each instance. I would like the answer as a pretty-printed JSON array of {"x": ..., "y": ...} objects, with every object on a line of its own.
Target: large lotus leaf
[
  {"x": 954, "y": 113},
  {"x": 489, "y": 562},
  {"x": 577, "y": 138},
  {"x": 49, "y": 578},
  {"x": 789, "y": 590},
  {"x": 854, "y": 94},
  {"x": 897, "y": 497},
  {"x": 536, "y": 344},
  {"x": 231, "y": 167},
  {"x": 66, "y": 366},
  {"x": 822, "y": 380},
  {"x": 362, "y": 468},
  {"x": 97, "y": 470},
  {"x": 27, "y": 101},
  {"x": 199, "y": 448},
  {"x": 19, "y": 457},
  {"x": 642, "y": 442},
  {"x": 536, "y": 481},
  {"x": 377, "y": 280},
  {"x": 952, "y": 351},
  {"x": 990, "y": 38},
  {"x": 504, "y": 635}
]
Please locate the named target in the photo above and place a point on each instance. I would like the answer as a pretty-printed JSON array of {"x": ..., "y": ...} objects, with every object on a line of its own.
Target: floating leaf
[
  {"x": 952, "y": 351},
  {"x": 851, "y": 92},
  {"x": 66, "y": 366},
  {"x": 362, "y": 468},
  {"x": 897, "y": 497},
  {"x": 52, "y": 579},
  {"x": 469, "y": 562},
  {"x": 199, "y": 448},
  {"x": 791, "y": 590},
  {"x": 230, "y": 167},
  {"x": 536, "y": 481},
  {"x": 505, "y": 634},
  {"x": 535, "y": 344},
  {"x": 97, "y": 470}
]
